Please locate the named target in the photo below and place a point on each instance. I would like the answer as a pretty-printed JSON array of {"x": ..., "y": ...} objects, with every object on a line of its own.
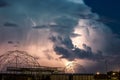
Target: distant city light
[
  {"x": 113, "y": 73},
  {"x": 98, "y": 73}
]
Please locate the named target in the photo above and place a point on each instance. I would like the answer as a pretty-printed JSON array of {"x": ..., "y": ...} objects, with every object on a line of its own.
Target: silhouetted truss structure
[
  {"x": 17, "y": 59},
  {"x": 74, "y": 68}
]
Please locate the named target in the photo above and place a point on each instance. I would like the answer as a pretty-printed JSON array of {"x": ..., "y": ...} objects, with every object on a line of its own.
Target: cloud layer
[{"x": 55, "y": 30}]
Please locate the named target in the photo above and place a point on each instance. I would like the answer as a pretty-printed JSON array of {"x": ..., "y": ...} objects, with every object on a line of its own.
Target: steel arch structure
[{"x": 18, "y": 59}]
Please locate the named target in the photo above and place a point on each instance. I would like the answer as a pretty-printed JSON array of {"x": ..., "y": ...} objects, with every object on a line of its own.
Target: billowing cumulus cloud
[
  {"x": 55, "y": 30},
  {"x": 38, "y": 21}
]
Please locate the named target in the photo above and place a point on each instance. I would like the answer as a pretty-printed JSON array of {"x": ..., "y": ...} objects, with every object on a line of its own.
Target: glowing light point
[
  {"x": 113, "y": 73},
  {"x": 98, "y": 73}
]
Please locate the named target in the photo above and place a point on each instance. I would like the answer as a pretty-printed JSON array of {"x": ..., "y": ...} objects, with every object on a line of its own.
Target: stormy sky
[{"x": 62, "y": 31}]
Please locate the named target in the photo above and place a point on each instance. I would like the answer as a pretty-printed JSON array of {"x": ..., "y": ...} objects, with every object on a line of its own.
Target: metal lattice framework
[
  {"x": 18, "y": 59},
  {"x": 74, "y": 68}
]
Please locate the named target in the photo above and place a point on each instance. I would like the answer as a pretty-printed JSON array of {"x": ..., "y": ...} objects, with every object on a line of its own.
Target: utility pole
[{"x": 106, "y": 66}]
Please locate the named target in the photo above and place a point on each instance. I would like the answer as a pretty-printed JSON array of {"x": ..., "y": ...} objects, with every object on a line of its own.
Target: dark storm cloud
[
  {"x": 69, "y": 51},
  {"x": 3, "y": 4},
  {"x": 42, "y": 12},
  {"x": 39, "y": 13},
  {"x": 10, "y": 42},
  {"x": 62, "y": 41},
  {"x": 40, "y": 27},
  {"x": 75, "y": 35},
  {"x": 78, "y": 53},
  {"x": 9, "y": 24}
]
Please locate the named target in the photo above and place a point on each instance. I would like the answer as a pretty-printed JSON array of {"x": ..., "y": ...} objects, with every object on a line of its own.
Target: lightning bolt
[{"x": 31, "y": 20}]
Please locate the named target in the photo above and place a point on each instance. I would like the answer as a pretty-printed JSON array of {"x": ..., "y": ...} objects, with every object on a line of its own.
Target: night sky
[
  {"x": 109, "y": 10},
  {"x": 60, "y": 32}
]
